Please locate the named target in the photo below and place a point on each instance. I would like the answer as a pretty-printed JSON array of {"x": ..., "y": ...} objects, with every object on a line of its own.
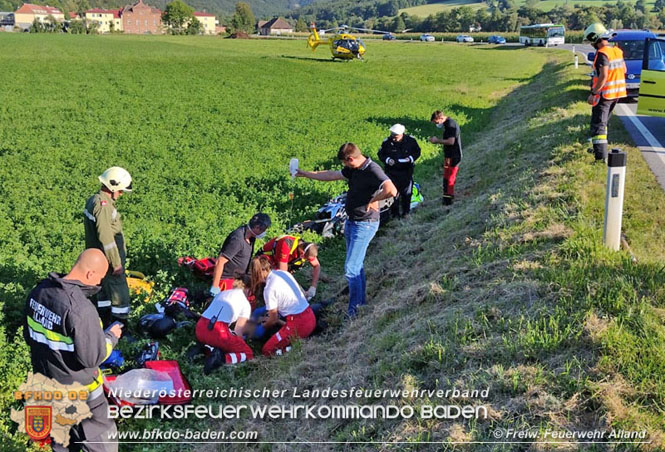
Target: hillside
[
  {"x": 544, "y": 5},
  {"x": 509, "y": 290}
]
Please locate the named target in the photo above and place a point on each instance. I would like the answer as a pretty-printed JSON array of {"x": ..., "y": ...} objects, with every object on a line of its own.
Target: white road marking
[{"x": 656, "y": 147}]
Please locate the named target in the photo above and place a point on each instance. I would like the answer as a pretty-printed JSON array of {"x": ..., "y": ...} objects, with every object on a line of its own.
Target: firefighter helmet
[
  {"x": 595, "y": 32},
  {"x": 116, "y": 179}
]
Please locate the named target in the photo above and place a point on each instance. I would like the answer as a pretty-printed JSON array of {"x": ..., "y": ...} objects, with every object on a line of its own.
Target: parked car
[
  {"x": 631, "y": 42},
  {"x": 389, "y": 37},
  {"x": 496, "y": 39},
  {"x": 464, "y": 38},
  {"x": 427, "y": 38}
]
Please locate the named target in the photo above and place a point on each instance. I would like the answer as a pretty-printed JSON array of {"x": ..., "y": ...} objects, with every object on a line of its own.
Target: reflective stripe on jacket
[{"x": 64, "y": 333}]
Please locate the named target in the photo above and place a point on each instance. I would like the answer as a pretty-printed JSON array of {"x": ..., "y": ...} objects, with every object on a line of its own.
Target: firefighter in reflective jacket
[
  {"x": 290, "y": 253},
  {"x": 608, "y": 86},
  {"x": 67, "y": 343},
  {"x": 103, "y": 230}
]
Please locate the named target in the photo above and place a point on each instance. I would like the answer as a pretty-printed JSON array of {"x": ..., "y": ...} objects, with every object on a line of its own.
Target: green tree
[
  {"x": 398, "y": 24},
  {"x": 641, "y": 5},
  {"x": 37, "y": 27},
  {"x": 195, "y": 27},
  {"x": 659, "y": 5},
  {"x": 301, "y": 25},
  {"x": 177, "y": 15},
  {"x": 82, "y": 6},
  {"x": 243, "y": 19},
  {"x": 77, "y": 27}
]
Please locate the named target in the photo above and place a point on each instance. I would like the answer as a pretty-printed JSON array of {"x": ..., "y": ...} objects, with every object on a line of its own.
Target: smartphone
[{"x": 108, "y": 328}]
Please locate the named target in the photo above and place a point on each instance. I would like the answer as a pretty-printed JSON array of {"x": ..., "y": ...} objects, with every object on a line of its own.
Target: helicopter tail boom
[{"x": 314, "y": 40}]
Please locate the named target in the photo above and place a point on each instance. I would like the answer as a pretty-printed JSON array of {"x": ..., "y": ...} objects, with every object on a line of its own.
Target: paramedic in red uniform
[
  {"x": 290, "y": 253},
  {"x": 283, "y": 297},
  {"x": 237, "y": 251},
  {"x": 213, "y": 328},
  {"x": 452, "y": 152}
]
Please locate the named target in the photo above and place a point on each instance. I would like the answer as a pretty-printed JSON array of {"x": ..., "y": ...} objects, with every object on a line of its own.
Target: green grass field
[
  {"x": 545, "y": 5},
  {"x": 510, "y": 290}
]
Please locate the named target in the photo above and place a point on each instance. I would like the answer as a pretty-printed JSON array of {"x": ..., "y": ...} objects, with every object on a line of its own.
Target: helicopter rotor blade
[{"x": 370, "y": 30}]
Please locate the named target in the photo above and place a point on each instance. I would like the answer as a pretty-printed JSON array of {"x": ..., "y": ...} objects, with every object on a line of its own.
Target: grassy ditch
[{"x": 510, "y": 290}]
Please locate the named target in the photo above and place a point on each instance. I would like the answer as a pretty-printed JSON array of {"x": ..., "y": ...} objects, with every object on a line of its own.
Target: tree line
[{"x": 499, "y": 15}]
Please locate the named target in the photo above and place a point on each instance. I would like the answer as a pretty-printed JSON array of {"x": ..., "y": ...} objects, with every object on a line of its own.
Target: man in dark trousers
[
  {"x": 607, "y": 87},
  {"x": 67, "y": 343},
  {"x": 237, "y": 252},
  {"x": 399, "y": 152},
  {"x": 368, "y": 185},
  {"x": 452, "y": 152}
]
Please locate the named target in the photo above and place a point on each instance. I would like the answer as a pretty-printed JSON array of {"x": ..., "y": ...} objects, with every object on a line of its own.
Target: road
[{"x": 647, "y": 132}]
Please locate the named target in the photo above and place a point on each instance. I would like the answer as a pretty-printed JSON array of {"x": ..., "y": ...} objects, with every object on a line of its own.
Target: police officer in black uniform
[{"x": 399, "y": 152}]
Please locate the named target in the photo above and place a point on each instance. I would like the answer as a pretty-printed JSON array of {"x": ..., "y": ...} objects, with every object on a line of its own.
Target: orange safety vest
[{"x": 615, "y": 85}]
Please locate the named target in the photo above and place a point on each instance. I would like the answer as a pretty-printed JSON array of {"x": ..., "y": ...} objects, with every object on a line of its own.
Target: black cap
[{"x": 616, "y": 158}]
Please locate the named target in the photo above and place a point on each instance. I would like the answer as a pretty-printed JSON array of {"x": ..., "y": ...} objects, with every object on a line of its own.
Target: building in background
[
  {"x": 28, "y": 13},
  {"x": 140, "y": 18},
  {"x": 209, "y": 22},
  {"x": 7, "y": 21},
  {"x": 276, "y": 26},
  {"x": 107, "y": 20}
]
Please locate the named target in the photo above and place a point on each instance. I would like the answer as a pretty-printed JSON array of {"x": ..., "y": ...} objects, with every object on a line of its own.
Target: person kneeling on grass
[
  {"x": 283, "y": 297},
  {"x": 228, "y": 307}
]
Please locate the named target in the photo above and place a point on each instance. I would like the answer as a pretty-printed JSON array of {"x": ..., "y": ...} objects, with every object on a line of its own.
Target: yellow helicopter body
[{"x": 343, "y": 45}]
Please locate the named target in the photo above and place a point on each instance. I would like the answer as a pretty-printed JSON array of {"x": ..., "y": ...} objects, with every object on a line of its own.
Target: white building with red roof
[
  {"x": 107, "y": 20},
  {"x": 28, "y": 13},
  {"x": 209, "y": 22}
]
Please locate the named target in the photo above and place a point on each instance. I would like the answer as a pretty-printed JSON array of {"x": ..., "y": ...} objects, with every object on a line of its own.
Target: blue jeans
[{"x": 358, "y": 234}]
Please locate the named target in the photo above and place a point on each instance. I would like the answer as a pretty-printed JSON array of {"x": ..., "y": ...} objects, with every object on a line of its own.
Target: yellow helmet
[
  {"x": 595, "y": 32},
  {"x": 116, "y": 179}
]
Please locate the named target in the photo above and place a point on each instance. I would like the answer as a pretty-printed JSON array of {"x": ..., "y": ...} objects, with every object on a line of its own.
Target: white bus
[{"x": 542, "y": 35}]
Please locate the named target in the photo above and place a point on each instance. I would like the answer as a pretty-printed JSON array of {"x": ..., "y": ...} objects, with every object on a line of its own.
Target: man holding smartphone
[{"x": 67, "y": 342}]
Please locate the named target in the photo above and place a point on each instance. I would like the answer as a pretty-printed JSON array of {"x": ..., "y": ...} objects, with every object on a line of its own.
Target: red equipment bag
[
  {"x": 203, "y": 268},
  {"x": 181, "y": 387}
]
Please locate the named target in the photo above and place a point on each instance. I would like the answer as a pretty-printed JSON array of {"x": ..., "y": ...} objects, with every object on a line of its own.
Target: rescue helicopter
[{"x": 343, "y": 45}]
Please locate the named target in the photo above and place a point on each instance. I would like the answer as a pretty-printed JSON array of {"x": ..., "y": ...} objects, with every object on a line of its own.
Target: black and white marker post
[{"x": 616, "y": 178}]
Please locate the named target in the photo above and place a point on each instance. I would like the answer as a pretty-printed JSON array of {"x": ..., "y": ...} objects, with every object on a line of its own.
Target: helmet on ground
[
  {"x": 595, "y": 32},
  {"x": 116, "y": 179},
  {"x": 156, "y": 325}
]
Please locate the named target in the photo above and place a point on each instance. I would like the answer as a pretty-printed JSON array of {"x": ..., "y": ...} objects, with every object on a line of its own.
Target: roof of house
[
  {"x": 200, "y": 14},
  {"x": 140, "y": 2},
  {"x": 262, "y": 23},
  {"x": 29, "y": 8},
  {"x": 276, "y": 23},
  {"x": 116, "y": 12}
]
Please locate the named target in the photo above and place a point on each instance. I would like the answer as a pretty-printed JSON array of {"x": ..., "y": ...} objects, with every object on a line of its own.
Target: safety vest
[
  {"x": 295, "y": 263},
  {"x": 615, "y": 85}
]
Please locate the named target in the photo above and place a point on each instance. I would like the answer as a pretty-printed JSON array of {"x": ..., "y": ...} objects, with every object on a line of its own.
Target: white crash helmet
[{"x": 116, "y": 179}]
